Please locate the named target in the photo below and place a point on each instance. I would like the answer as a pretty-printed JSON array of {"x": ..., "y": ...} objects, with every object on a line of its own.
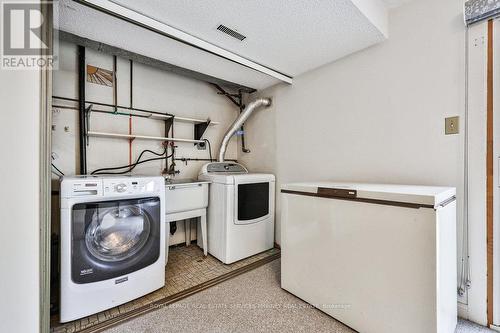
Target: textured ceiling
[
  {"x": 83, "y": 21},
  {"x": 289, "y": 36}
]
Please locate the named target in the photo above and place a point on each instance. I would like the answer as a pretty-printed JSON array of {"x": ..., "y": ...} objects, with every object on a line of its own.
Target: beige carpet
[
  {"x": 186, "y": 268},
  {"x": 252, "y": 302}
]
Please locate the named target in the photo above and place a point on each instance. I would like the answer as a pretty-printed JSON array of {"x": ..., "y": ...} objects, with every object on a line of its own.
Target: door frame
[{"x": 45, "y": 168}]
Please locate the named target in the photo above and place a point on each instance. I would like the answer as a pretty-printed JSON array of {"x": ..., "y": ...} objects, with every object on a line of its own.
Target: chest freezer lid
[{"x": 427, "y": 196}]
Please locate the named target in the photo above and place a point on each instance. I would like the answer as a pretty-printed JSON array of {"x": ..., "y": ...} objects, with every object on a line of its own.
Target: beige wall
[
  {"x": 153, "y": 89},
  {"x": 375, "y": 116},
  {"x": 378, "y": 116}
]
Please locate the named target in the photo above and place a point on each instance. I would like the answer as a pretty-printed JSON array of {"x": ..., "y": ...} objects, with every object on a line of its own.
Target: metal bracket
[
  {"x": 88, "y": 111},
  {"x": 231, "y": 97},
  {"x": 236, "y": 99},
  {"x": 199, "y": 129},
  {"x": 168, "y": 124}
]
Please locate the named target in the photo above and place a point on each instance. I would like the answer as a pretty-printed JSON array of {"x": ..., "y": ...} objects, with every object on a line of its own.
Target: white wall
[
  {"x": 152, "y": 89},
  {"x": 378, "y": 116},
  {"x": 19, "y": 213},
  {"x": 476, "y": 309},
  {"x": 19, "y": 207}
]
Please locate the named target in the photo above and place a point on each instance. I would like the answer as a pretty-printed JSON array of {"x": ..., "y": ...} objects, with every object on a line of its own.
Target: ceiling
[
  {"x": 395, "y": 3},
  {"x": 284, "y": 38},
  {"x": 85, "y": 22},
  {"x": 288, "y": 36}
]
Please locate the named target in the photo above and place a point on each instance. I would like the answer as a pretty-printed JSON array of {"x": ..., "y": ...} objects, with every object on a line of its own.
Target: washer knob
[{"x": 121, "y": 187}]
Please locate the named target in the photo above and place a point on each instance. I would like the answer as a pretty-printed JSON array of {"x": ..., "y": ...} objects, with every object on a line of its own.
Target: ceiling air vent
[{"x": 231, "y": 32}]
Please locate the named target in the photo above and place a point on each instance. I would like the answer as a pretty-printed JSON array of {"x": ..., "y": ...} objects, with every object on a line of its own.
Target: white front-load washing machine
[
  {"x": 112, "y": 242},
  {"x": 240, "y": 211}
]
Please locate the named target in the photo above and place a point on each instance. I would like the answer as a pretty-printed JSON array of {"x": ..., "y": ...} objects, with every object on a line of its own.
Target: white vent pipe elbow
[{"x": 266, "y": 102}]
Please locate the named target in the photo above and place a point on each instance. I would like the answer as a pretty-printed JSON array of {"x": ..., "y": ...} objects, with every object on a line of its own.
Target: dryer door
[
  {"x": 252, "y": 200},
  {"x": 114, "y": 238}
]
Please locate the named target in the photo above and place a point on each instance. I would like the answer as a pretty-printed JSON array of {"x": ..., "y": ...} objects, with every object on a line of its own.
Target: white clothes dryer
[{"x": 240, "y": 211}]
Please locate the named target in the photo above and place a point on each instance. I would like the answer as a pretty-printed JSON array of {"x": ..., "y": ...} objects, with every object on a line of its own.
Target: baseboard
[
  {"x": 463, "y": 311},
  {"x": 495, "y": 328}
]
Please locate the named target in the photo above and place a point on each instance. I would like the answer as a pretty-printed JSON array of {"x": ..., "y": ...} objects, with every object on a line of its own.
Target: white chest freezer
[{"x": 379, "y": 258}]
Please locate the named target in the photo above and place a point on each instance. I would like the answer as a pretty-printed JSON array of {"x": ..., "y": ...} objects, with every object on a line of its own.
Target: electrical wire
[
  {"x": 133, "y": 165},
  {"x": 186, "y": 159},
  {"x": 209, "y": 149},
  {"x": 60, "y": 172},
  {"x": 106, "y": 171},
  {"x": 130, "y": 165}
]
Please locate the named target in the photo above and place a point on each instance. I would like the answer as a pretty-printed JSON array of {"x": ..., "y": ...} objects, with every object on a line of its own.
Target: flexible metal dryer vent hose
[{"x": 265, "y": 102}]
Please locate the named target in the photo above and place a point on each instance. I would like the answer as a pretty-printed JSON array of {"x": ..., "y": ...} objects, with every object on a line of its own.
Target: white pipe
[
  {"x": 266, "y": 102},
  {"x": 145, "y": 137}
]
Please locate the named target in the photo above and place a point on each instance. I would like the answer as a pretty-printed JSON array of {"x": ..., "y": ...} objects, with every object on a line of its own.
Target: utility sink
[
  {"x": 183, "y": 195},
  {"x": 186, "y": 199}
]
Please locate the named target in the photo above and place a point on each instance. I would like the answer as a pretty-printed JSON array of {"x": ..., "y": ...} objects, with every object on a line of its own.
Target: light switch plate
[{"x": 451, "y": 125}]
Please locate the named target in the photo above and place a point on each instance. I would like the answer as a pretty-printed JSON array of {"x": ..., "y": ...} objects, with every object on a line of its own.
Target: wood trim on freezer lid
[
  {"x": 489, "y": 176},
  {"x": 371, "y": 201}
]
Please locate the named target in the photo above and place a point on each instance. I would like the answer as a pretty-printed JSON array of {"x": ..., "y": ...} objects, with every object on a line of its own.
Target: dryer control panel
[{"x": 225, "y": 167}]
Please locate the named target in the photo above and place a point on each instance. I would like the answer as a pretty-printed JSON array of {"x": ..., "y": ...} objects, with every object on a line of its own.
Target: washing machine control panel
[
  {"x": 122, "y": 187},
  {"x": 129, "y": 186},
  {"x": 78, "y": 186}
]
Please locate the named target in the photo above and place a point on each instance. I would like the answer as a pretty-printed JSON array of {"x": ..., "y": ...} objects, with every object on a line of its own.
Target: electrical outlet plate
[{"x": 451, "y": 125}]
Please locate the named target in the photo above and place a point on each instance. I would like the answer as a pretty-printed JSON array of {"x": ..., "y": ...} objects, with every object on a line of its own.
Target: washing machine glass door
[
  {"x": 114, "y": 238},
  {"x": 118, "y": 232}
]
